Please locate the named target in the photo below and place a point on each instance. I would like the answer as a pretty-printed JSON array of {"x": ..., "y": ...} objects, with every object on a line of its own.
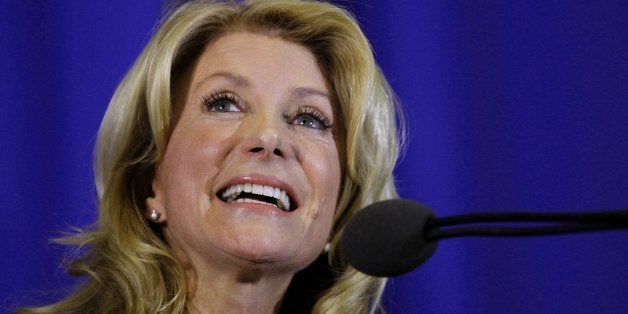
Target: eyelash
[
  {"x": 323, "y": 120},
  {"x": 219, "y": 98},
  {"x": 222, "y": 97}
]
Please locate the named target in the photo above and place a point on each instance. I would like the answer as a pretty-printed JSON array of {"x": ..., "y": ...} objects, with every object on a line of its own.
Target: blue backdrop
[{"x": 511, "y": 105}]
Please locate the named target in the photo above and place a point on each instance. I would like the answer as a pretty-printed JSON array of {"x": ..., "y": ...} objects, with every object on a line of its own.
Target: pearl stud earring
[
  {"x": 327, "y": 247},
  {"x": 154, "y": 215}
]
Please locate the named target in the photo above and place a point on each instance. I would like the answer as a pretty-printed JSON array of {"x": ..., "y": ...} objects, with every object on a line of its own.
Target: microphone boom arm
[{"x": 555, "y": 223}]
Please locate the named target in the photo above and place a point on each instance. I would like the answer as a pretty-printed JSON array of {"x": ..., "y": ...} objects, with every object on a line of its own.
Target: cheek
[
  {"x": 331, "y": 168},
  {"x": 191, "y": 161},
  {"x": 324, "y": 172}
]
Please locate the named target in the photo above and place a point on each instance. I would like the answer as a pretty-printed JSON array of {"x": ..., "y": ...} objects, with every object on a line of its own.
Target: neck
[{"x": 250, "y": 291}]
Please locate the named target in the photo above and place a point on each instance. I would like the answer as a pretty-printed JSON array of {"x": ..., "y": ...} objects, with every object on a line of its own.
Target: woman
[{"x": 229, "y": 161}]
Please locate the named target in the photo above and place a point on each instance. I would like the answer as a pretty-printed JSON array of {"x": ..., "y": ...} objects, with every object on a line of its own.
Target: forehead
[{"x": 253, "y": 59}]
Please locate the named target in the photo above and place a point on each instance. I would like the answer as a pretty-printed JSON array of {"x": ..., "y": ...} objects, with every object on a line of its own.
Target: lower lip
[{"x": 256, "y": 207}]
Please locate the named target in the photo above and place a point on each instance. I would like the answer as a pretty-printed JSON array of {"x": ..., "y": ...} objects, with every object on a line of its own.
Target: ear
[{"x": 156, "y": 202}]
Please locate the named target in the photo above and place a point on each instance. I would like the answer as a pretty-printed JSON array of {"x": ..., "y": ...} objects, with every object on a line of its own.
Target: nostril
[{"x": 278, "y": 152}]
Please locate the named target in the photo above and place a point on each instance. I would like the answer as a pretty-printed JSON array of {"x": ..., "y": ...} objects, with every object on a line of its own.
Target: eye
[
  {"x": 221, "y": 102},
  {"x": 311, "y": 118}
]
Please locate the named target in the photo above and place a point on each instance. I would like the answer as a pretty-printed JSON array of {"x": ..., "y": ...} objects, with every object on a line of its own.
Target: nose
[{"x": 264, "y": 136}]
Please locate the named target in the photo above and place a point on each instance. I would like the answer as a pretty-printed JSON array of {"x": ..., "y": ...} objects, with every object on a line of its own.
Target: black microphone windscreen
[{"x": 387, "y": 238}]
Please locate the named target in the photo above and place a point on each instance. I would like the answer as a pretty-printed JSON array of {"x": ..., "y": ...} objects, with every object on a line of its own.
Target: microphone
[{"x": 393, "y": 237}]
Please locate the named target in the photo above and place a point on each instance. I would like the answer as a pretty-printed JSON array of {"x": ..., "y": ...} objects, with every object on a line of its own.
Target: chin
[{"x": 273, "y": 254}]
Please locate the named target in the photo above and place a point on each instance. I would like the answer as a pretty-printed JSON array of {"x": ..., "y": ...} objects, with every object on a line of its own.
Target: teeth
[
  {"x": 231, "y": 194},
  {"x": 269, "y": 191}
]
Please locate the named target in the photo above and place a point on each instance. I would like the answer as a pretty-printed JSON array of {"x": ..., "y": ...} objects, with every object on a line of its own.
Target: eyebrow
[
  {"x": 238, "y": 80},
  {"x": 303, "y": 92},
  {"x": 231, "y": 77}
]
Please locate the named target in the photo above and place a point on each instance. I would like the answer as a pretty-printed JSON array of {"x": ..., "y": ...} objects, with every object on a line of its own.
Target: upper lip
[{"x": 264, "y": 180}]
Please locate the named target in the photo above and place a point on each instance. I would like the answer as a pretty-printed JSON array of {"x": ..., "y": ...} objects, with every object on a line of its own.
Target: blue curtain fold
[{"x": 510, "y": 105}]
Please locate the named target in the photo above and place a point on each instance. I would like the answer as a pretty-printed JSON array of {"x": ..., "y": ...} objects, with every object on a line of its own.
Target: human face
[{"x": 255, "y": 110}]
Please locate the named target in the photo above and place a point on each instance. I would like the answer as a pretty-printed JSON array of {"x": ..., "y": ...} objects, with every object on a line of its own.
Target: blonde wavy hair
[{"x": 128, "y": 266}]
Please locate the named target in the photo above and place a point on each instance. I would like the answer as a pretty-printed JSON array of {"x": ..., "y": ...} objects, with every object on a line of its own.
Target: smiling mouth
[{"x": 259, "y": 194}]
